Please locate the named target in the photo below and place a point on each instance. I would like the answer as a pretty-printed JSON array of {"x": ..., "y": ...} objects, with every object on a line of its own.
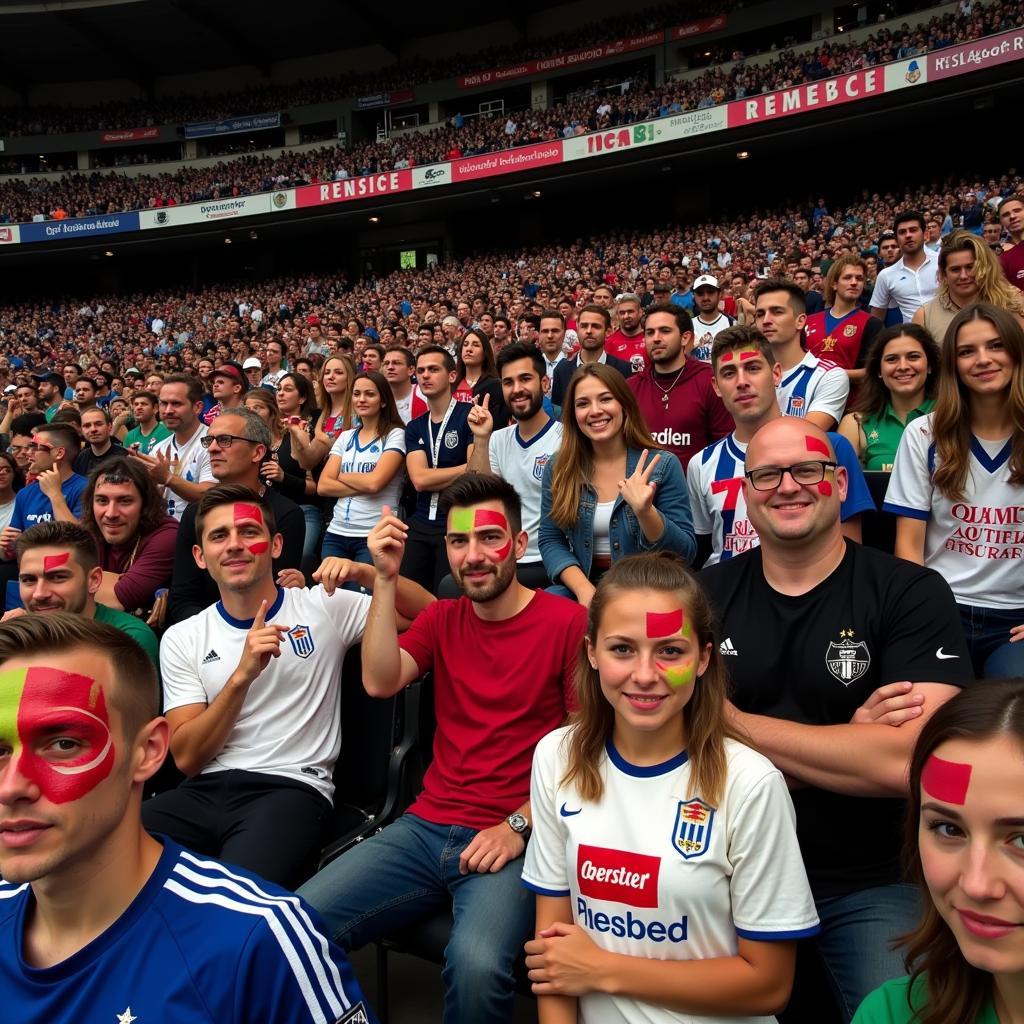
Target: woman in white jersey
[
  {"x": 664, "y": 858},
  {"x": 958, "y": 485},
  {"x": 364, "y": 469}
]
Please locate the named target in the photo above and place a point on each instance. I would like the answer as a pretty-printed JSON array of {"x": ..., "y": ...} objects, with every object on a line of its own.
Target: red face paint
[
  {"x": 51, "y": 562},
  {"x": 501, "y": 553},
  {"x": 749, "y": 354},
  {"x": 825, "y": 489},
  {"x": 815, "y": 445},
  {"x": 664, "y": 623},
  {"x": 485, "y": 517},
  {"x": 244, "y": 511},
  {"x": 946, "y": 780},
  {"x": 726, "y": 357},
  {"x": 40, "y": 705},
  {"x": 258, "y": 547}
]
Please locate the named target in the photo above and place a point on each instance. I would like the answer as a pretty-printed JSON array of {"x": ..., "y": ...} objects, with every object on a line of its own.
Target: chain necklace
[{"x": 665, "y": 392}]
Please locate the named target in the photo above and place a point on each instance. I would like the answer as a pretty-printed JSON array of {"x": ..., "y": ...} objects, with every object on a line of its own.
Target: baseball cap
[
  {"x": 234, "y": 371},
  {"x": 706, "y": 281},
  {"x": 10, "y": 389},
  {"x": 252, "y": 363},
  {"x": 49, "y": 377},
  {"x": 133, "y": 371}
]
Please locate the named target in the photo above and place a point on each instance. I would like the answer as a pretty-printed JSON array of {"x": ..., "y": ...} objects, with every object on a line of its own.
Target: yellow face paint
[{"x": 677, "y": 677}]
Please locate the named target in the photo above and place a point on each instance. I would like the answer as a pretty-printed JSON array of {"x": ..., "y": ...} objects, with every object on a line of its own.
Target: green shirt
[
  {"x": 882, "y": 435},
  {"x": 135, "y": 628},
  {"x": 146, "y": 441},
  {"x": 888, "y": 1005}
]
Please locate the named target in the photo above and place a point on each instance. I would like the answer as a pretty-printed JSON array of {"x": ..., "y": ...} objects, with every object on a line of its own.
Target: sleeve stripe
[
  {"x": 800, "y": 933},
  {"x": 903, "y": 510},
  {"x": 540, "y": 891}
]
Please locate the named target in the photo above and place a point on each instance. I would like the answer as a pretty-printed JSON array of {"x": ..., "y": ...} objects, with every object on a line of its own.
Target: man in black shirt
[
  {"x": 100, "y": 446},
  {"x": 812, "y": 626}
]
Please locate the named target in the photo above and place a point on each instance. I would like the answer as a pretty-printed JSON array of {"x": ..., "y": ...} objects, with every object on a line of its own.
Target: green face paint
[
  {"x": 677, "y": 677},
  {"x": 462, "y": 520}
]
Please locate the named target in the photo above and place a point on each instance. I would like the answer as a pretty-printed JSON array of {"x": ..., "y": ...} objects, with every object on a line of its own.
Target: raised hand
[
  {"x": 481, "y": 422},
  {"x": 387, "y": 543},
  {"x": 637, "y": 490}
]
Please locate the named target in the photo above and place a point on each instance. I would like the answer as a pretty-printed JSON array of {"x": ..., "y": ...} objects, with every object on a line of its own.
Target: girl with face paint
[
  {"x": 965, "y": 840},
  {"x": 648, "y": 811}
]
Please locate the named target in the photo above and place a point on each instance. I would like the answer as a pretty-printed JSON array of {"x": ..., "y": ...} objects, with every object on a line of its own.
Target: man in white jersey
[
  {"x": 398, "y": 367},
  {"x": 519, "y": 453},
  {"x": 251, "y": 695},
  {"x": 745, "y": 377},
  {"x": 811, "y": 388},
  {"x": 710, "y": 320},
  {"x": 914, "y": 278},
  {"x": 180, "y": 464}
]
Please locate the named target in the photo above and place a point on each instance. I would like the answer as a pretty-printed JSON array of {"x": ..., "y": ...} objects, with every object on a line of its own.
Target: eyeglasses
[
  {"x": 13, "y": 449},
  {"x": 224, "y": 441},
  {"x": 805, "y": 474}
]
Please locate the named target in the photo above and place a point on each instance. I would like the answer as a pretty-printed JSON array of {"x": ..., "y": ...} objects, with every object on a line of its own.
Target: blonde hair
[
  {"x": 326, "y": 402},
  {"x": 992, "y": 285}
]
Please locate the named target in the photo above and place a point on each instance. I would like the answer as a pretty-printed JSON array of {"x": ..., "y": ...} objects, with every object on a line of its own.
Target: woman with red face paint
[
  {"x": 664, "y": 857},
  {"x": 958, "y": 485},
  {"x": 965, "y": 837}
]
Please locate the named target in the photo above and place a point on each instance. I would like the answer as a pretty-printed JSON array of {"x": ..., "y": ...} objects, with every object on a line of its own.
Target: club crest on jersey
[
  {"x": 301, "y": 640},
  {"x": 538, "y": 466},
  {"x": 796, "y": 403},
  {"x": 691, "y": 834},
  {"x": 849, "y": 330},
  {"x": 847, "y": 660},
  {"x": 451, "y": 439}
]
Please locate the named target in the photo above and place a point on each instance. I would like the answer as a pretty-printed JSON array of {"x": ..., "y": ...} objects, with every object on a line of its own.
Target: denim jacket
[{"x": 561, "y": 549}]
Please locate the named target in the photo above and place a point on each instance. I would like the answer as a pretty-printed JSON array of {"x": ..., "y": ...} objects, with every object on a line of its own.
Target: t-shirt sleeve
[
  {"x": 349, "y": 611},
  {"x": 545, "y": 870},
  {"x": 395, "y": 441},
  {"x": 910, "y": 486},
  {"x": 181, "y": 682},
  {"x": 771, "y": 897},
  {"x": 340, "y": 443},
  {"x": 573, "y": 643},
  {"x": 18, "y": 515},
  {"x": 204, "y": 471},
  {"x": 290, "y": 972},
  {"x": 418, "y": 640},
  {"x": 880, "y": 296},
  {"x": 831, "y": 394},
  {"x": 73, "y": 495},
  {"x": 698, "y": 503},
  {"x": 858, "y": 494},
  {"x": 150, "y": 571},
  {"x": 413, "y": 438},
  {"x": 720, "y": 422}
]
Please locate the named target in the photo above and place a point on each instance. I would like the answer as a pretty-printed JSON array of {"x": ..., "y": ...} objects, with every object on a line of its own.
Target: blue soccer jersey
[{"x": 202, "y": 942}]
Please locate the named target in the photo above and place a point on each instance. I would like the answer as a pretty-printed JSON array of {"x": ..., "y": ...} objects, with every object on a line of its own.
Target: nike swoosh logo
[
  {"x": 944, "y": 657},
  {"x": 565, "y": 813}
]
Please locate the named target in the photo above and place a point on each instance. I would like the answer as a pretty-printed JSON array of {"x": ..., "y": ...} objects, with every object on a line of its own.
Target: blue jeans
[
  {"x": 856, "y": 937},
  {"x": 987, "y": 631},
  {"x": 337, "y": 546},
  {"x": 411, "y": 870},
  {"x": 311, "y": 545}
]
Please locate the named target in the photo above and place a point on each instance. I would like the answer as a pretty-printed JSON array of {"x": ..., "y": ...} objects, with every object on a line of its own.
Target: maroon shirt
[
  {"x": 149, "y": 570},
  {"x": 694, "y": 415},
  {"x": 1013, "y": 265}
]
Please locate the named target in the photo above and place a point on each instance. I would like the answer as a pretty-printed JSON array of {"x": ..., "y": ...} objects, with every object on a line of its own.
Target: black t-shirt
[
  {"x": 86, "y": 461},
  {"x": 454, "y": 441},
  {"x": 815, "y": 659}
]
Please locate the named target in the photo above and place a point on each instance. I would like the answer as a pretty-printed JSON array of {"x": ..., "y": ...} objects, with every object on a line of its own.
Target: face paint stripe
[
  {"x": 664, "y": 623},
  {"x": 462, "y": 520},
  {"x": 750, "y": 354},
  {"x": 258, "y": 547},
  {"x": 487, "y": 517},
  {"x": 818, "y": 446},
  {"x": 677, "y": 677},
  {"x": 242, "y": 510},
  {"x": 946, "y": 780},
  {"x": 12, "y": 683},
  {"x": 503, "y": 551},
  {"x": 51, "y": 562}
]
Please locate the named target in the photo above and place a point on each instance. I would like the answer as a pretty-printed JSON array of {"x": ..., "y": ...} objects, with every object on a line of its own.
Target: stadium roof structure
[{"x": 140, "y": 40}]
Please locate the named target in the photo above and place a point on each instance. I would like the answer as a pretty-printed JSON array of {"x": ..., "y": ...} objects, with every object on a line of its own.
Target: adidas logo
[
  {"x": 211, "y": 657},
  {"x": 726, "y": 647}
]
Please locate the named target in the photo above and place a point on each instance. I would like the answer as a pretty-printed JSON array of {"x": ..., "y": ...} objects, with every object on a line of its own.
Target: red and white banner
[
  {"x": 365, "y": 187},
  {"x": 983, "y": 53},
  {"x": 130, "y": 135},
  {"x": 601, "y": 51},
  {"x": 699, "y": 28},
  {"x": 811, "y": 96},
  {"x": 508, "y": 161}
]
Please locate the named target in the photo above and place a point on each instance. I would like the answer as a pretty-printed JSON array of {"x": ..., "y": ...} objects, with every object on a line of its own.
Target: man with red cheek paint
[
  {"x": 99, "y": 917},
  {"x": 251, "y": 694},
  {"x": 503, "y": 658},
  {"x": 837, "y": 653}
]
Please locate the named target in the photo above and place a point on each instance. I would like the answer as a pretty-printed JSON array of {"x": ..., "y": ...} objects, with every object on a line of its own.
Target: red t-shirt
[
  {"x": 843, "y": 341},
  {"x": 498, "y": 688},
  {"x": 463, "y": 393},
  {"x": 694, "y": 415},
  {"x": 1013, "y": 265},
  {"x": 632, "y": 349}
]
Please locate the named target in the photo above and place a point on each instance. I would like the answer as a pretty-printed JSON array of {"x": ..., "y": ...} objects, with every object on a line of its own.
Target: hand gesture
[
  {"x": 387, "y": 543},
  {"x": 8, "y": 536},
  {"x": 893, "y": 705},
  {"x": 637, "y": 490},
  {"x": 491, "y": 849},
  {"x": 291, "y": 578},
  {"x": 50, "y": 482},
  {"x": 481, "y": 422},
  {"x": 333, "y": 572},
  {"x": 262, "y": 643},
  {"x": 563, "y": 960},
  {"x": 271, "y": 470},
  {"x": 157, "y": 465}
]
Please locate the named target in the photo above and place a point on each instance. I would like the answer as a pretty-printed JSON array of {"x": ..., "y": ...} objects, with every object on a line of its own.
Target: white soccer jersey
[
  {"x": 290, "y": 722},
  {"x": 705, "y": 334},
  {"x": 652, "y": 870},
  {"x": 190, "y": 461},
  {"x": 522, "y": 464},
  {"x": 976, "y": 544},
  {"x": 814, "y": 385},
  {"x": 358, "y": 514}
]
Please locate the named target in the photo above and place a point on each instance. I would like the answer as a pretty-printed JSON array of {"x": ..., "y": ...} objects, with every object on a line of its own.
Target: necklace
[{"x": 665, "y": 392}]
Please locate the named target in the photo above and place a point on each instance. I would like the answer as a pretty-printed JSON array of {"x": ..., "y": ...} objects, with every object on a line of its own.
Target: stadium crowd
[
  {"x": 614, "y": 102},
  {"x": 249, "y": 481}
]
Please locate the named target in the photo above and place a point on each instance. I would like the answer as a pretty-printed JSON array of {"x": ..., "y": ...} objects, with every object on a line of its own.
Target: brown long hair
[
  {"x": 388, "y": 418},
  {"x": 956, "y": 989},
  {"x": 873, "y": 395},
  {"x": 951, "y": 418},
  {"x": 488, "y": 367},
  {"x": 707, "y": 727},
  {"x": 574, "y": 462},
  {"x": 326, "y": 402}
]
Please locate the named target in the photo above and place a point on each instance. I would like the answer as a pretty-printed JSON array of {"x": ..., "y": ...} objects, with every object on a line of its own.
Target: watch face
[{"x": 517, "y": 821}]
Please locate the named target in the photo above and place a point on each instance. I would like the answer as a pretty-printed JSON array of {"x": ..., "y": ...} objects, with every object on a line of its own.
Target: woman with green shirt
[
  {"x": 901, "y": 382},
  {"x": 965, "y": 832}
]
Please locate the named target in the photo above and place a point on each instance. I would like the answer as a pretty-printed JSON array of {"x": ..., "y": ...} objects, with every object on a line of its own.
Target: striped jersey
[{"x": 814, "y": 385}]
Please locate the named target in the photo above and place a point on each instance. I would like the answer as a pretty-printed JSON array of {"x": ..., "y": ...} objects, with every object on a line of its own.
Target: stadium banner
[
  {"x": 283, "y": 199},
  {"x": 601, "y": 51},
  {"x": 830, "y": 92},
  {"x": 130, "y": 135},
  {"x": 384, "y": 99},
  {"x": 902, "y": 74},
  {"x": 432, "y": 174},
  {"x": 232, "y": 125},
  {"x": 365, "y": 187},
  {"x": 634, "y": 136},
  {"x": 982, "y": 53},
  {"x": 507, "y": 161},
  {"x": 698, "y": 28},
  {"x": 82, "y": 227},
  {"x": 204, "y": 213},
  {"x": 10, "y": 234}
]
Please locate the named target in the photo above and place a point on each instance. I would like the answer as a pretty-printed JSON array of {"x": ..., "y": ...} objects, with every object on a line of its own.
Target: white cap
[
  {"x": 10, "y": 389},
  {"x": 252, "y": 363},
  {"x": 706, "y": 281}
]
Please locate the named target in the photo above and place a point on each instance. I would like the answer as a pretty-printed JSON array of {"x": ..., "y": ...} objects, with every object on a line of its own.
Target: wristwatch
[{"x": 518, "y": 823}]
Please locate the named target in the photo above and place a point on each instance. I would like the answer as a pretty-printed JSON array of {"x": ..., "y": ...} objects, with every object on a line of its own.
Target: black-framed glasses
[
  {"x": 806, "y": 474},
  {"x": 224, "y": 441}
]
